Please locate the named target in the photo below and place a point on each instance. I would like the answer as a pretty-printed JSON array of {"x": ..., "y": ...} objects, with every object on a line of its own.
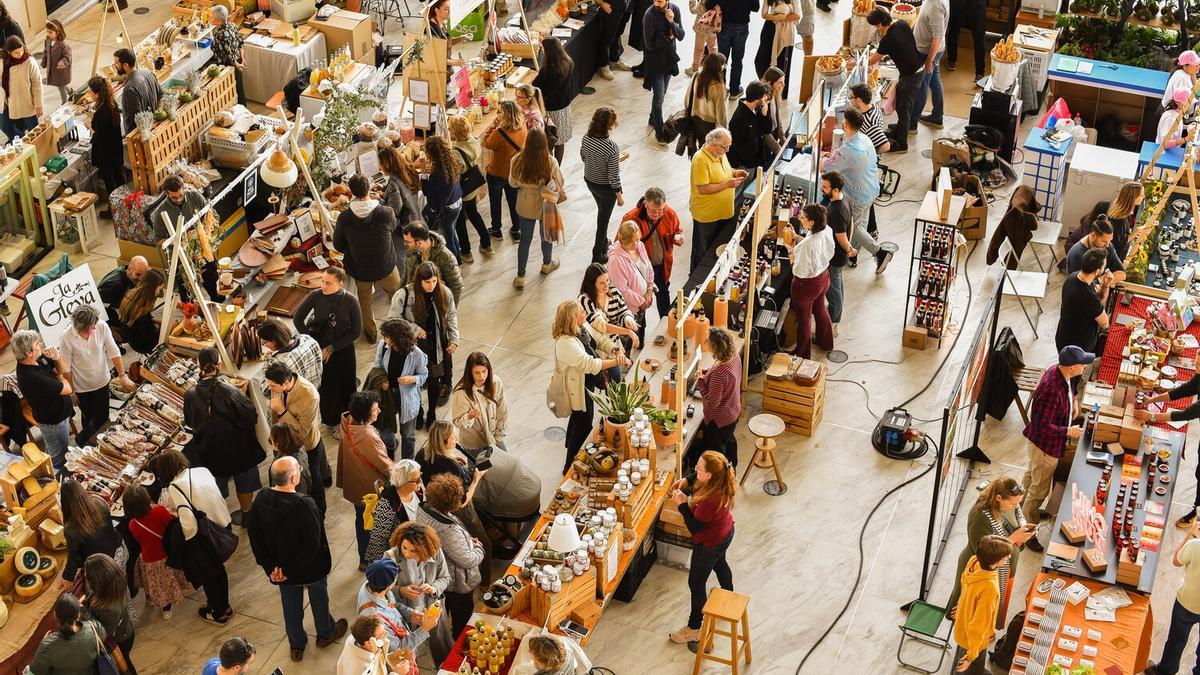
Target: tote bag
[
  {"x": 222, "y": 541},
  {"x": 558, "y": 399},
  {"x": 105, "y": 664}
]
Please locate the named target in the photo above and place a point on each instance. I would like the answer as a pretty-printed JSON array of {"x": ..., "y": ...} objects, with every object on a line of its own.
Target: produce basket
[{"x": 237, "y": 153}]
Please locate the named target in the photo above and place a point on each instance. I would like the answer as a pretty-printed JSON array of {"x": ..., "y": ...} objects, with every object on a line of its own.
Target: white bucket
[
  {"x": 861, "y": 32},
  {"x": 1004, "y": 75}
]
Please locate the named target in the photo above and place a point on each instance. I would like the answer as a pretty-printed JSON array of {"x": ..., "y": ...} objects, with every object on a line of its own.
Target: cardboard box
[
  {"x": 348, "y": 27},
  {"x": 915, "y": 337},
  {"x": 1108, "y": 429},
  {"x": 1131, "y": 433}
]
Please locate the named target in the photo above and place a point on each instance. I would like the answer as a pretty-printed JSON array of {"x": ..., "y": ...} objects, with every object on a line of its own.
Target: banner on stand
[
  {"x": 459, "y": 9},
  {"x": 52, "y": 304}
]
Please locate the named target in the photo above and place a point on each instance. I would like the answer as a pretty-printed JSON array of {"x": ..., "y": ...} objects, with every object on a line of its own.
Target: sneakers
[
  {"x": 884, "y": 256},
  {"x": 515, "y": 233},
  {"x": 166, "y": 612},
  {"x": 496, "y": 234},
  {"x": 549, "y": 267},
  {"x": 606, "y": 72},
  {"x": 519, "y": 282},
  {"x": 928, "y": 121},
  {"x": 206, "y": 614},
  {"x": 339, "y": 631},
  {"x": 1186, "y": 521},
  {"x": 620, "y": 65},
  {"x": 690, "y": 71},
  {"x": 467, "y": 258},
  {"x": 685, "y": 635},
  {"x": 487, "y": 251},
  {"x": 950, "y": 65},
  {"x": 897, "y": 147}
]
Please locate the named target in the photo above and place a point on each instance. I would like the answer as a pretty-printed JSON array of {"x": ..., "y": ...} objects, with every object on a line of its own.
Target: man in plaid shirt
[{"x": 1050, "y": 414}]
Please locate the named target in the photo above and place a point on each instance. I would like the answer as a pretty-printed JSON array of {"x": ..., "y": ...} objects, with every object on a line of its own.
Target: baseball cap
[
  {"x": 382, "y": 573},
  {"x": 1189, "y": 58},
  {"x": 1069, "y": 356}
]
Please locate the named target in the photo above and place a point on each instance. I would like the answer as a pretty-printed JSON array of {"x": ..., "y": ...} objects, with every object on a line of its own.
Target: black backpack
[{"x": 1006, "y": 646}]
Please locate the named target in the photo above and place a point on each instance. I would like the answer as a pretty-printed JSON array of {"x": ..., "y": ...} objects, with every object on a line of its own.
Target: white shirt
[
  {"x": 89, "y": 360},
  {"x": 811, "y": 255},
  {"x": 198, "y": 485},
  {"x": 411, "y": 507},
  {"x": 1179, "y": 80},
  {"x": 1164, "y": 126}
]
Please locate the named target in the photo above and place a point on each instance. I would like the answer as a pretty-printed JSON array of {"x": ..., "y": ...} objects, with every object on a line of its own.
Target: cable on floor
[{"x": 861, "y": 557}]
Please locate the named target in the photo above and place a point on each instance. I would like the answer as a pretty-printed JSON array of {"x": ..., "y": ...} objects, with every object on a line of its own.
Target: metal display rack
[{"x": 933, "y": 266}]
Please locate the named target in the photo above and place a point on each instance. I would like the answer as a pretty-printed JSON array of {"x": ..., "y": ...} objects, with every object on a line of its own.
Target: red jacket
[{"x": 668, "y": 227}]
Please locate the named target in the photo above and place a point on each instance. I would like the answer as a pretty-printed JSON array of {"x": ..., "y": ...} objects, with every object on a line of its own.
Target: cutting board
[{"x": 286, "y": 300}]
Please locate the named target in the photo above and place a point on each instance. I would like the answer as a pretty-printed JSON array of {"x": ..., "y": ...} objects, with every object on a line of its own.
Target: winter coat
[
  {"x": 402, "y": 308},
  {"x": 364, "y": 234},
  {"x": 504, "y": 144},
  {"x": 107, "y": 149},
  {"x": 662, "y": 41},
  {"x": 400, "y": 198},
  {"x": 434, "y": 572},
  {"x": 1017, "y": 225},
  {"x": 462, "y": 555},
  {"x": 24, "y": 94},
  {"x": 667, "y": 227},
  {"x": 415, "y": 364},
  {"x": 301, "y": 410},
  {"x": 56, "y": 61},
  {"x": 362, "y": 459},
  {"x": 223, "y": 421},
  {"x": 490, "y": 427},
  {"x": 572, "y": 357},
  {"x": 530, "y": 200},
  {"x": 999, "y": 387},
  {"x": 286, "y": 531},
  {"x": 446, "y": 263}
]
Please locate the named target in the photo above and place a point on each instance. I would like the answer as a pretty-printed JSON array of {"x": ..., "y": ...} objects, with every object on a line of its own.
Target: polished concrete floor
[{"x": 794, "y": 555}]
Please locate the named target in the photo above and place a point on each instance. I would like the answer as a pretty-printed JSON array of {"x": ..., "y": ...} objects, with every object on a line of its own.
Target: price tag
[{"x": 320, "y": 262}]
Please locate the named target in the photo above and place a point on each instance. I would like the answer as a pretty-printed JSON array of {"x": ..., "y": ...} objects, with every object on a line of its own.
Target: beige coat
[
  {"x": 530, "y": 202},
  {"x": 301, "y": 408},
  {"x": 490, "y": 427},
  {"x": 570, "y": 357},
  {"x": 24, "y": 95},
  {"x": 362, "y": 460}
]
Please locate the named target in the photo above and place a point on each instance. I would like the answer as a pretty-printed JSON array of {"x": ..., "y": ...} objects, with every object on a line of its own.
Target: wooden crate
[
  {"x": 149, "y": 180},
  {"x": 163, "y": 146},
  {"x": 192, "y": 118},
  {"x": 790, "y": 400},
  {"x": 600, "y": 563},
  {"x": 551, "y": 608},
  {"x": 631, "y": 511},
  {"x": 220, "y": 92}
]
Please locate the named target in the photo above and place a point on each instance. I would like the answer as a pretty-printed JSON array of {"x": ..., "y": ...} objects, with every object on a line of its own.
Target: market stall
[
  {"x": 271, "y": 62},
  {"x": 1097, "y": 89}
]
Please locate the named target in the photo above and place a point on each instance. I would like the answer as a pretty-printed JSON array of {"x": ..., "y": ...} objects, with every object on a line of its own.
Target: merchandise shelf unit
[{"x": 932, "y": 269}]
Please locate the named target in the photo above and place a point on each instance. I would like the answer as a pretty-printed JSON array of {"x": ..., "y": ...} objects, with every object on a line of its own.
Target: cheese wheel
[
  {"x": 29, "y": 585},
  {"x": 27, "y": 560},
  {"x": 47, "y": 566}
]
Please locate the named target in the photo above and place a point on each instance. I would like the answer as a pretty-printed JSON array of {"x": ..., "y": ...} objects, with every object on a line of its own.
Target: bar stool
[
  {"x": 730, "y": 607},
  {"x": 766, "y": 427}
]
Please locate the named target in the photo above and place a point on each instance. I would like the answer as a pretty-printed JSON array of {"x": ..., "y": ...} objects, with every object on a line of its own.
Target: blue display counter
[{"x": 1166, "y": 166}]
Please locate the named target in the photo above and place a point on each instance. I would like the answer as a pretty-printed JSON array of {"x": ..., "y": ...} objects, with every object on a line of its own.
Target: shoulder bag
[
  {"x": 508, "y": 140},
  {"x": 558, "y": 398},
  {"x": 472, "y": 178},
  {"x": 220, "y": 540},
  {"x": 105, "y": 664}
]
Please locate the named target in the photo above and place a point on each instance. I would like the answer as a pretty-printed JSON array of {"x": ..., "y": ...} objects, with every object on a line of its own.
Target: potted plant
[
  {"x": 616, "y": 405},
  {"x": 663, "y": 421}
]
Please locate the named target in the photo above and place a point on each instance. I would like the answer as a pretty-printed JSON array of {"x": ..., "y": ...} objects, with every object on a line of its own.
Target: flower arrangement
[{"x": 144, "y": 121}]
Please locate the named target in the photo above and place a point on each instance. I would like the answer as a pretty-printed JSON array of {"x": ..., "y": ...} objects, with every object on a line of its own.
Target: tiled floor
[{"x": 795, "y": 554}]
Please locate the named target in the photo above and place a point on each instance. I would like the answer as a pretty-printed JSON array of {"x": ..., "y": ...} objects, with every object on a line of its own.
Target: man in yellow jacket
[{"x": 977, "y": 606}]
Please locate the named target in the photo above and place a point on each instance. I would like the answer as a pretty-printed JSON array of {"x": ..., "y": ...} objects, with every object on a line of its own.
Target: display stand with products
[{"x": 933, "y": 267}]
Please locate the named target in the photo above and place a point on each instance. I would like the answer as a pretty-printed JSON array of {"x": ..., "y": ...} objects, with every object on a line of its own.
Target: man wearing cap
[
  {"x": 1050, "y": 414},
  {"x": 1184, "y": 77},
  {"x": 405, "y": 627},
  {"x": 1170, "y": 134}
]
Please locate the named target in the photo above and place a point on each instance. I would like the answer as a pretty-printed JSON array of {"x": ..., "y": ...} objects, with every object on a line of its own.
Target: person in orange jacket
[
  {"x": 661, "y": 233},
  {"x": 977, "y": 606}
]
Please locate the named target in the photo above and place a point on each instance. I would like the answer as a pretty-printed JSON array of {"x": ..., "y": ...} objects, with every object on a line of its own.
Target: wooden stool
[
  {"x": 730, "y": 607},
  {"x": 766, "y": 427}
]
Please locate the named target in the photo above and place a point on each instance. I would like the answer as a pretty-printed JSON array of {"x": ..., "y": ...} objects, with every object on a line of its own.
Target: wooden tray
[{"x": 286, "y": 300}]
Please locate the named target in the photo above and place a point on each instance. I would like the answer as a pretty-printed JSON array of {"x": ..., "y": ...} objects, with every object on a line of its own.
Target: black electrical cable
[
  {"x": 858, "y": 575},
  {"x": 865, "y": 392}
]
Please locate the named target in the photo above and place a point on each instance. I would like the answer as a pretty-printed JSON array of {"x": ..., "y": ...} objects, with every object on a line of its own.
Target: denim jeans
[
  {"x": 449, "y": 216},
  {"x": 860, "y": 238},
  {"x": 528, "y": 225},
  {"x": 16, "y": 127},
  {"x": 662, "y": 296},
  {"x": 498, "y": 187},
  {"x": 470, "y": 212},
  {"x": 705, "y": 561},
  {"x": 606, "y": 200},
  {"x": 731, "y": 42},
  {"x": 658, "y": 89},
  {"x": 835, "y": 296},
  {"x": 931, "y": 85},
  {"x": 292, "y": 598},
  {"x": 1182, "y": 622},
  {"x": 906, "y": 93},
  {"x": 56, "y": 438}
]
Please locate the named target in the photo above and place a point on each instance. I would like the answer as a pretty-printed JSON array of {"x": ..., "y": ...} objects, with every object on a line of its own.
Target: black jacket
[
  {"x": 748, "y": 129},
  {"x": 107, "y": 141},
  {"x": 222, "y": 419},
  {"x": 442, "y": 464},
  {"x": 661, "y": 43},
  {"x": 367, "y": 243},
  {"x": 112, "y": 289},
  {"x": 104, "y": 540},
  {"x": 285, "y": 531},
  {"x": 1000, "y": 388}
]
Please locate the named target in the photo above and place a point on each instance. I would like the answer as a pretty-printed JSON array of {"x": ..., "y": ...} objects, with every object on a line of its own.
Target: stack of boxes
[{"x": 798, "y": 395}]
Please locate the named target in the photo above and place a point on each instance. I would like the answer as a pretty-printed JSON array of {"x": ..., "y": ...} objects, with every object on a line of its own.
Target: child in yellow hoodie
[{"x": 977, "y": 605}]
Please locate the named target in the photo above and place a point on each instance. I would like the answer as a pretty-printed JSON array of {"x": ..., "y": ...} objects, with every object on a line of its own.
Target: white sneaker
[
  {"x": 605, "y": 72},
  {"x": 166, "y": 613},
  {"x": 620, "y": 65}
]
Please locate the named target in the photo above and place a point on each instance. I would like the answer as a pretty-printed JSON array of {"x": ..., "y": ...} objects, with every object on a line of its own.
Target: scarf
[
  {"x": 785, "y": 32},
  {"x": 9, "y": 62}
]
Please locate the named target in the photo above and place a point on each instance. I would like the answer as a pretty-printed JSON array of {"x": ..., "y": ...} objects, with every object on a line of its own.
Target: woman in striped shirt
[
  {"x": 602, "y": 173},
  {"x": 721, "y": 392},
  {"x": 605, "y": 308},
  {"x": 860, "y": 98}
]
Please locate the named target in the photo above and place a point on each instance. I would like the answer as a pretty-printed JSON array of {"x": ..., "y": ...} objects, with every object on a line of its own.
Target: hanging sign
[
  {"x": 250, "y": 187},
  {"x": 52, "y": 304}
]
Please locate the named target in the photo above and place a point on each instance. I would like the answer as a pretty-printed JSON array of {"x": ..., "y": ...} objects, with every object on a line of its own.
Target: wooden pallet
[
  {"x": 164, "y": 145},
  {"x": 192, "y": 118},
  {"x": 221, "y": 91}
]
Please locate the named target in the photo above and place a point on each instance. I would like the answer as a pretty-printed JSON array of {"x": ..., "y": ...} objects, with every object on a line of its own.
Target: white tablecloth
[{"x": 267, "y": 70}]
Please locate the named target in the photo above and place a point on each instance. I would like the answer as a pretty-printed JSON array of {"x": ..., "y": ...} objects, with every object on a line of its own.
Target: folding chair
[
  {"x": 1021, "y": 284},
  {"x": 923, "y": 625},
  {"x": 1047, "y": 235}
]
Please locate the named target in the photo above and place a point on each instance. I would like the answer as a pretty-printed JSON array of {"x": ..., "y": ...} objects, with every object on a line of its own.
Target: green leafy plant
[
  {"x": 619, "y": 399},
  {"x": 336, "y": 132},
  {"x": 663, "y": 417}
]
